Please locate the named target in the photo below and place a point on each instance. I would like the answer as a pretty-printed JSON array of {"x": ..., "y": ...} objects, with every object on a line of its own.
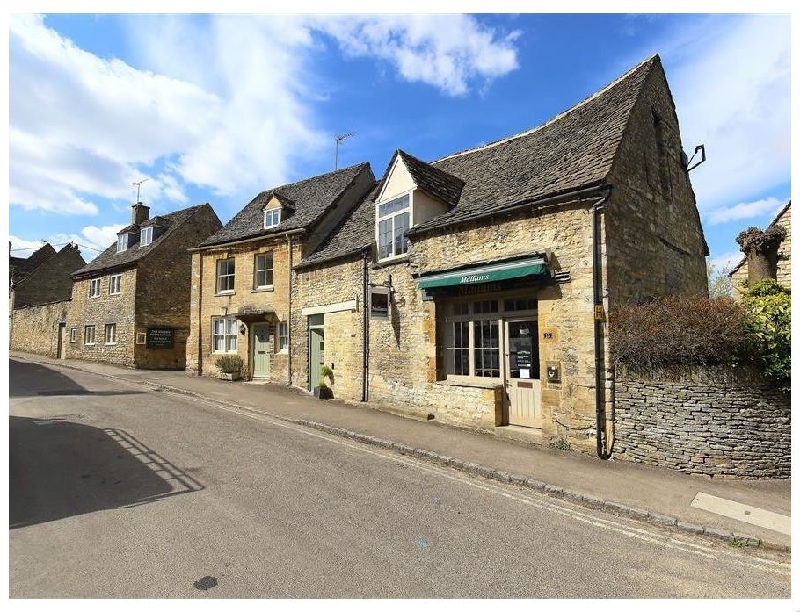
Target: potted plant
[
  {"x": 229, "y": 366},
  {"x": 322, "y": 390}
]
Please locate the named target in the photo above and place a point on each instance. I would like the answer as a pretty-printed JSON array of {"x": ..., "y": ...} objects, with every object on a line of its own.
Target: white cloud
[
  {"x": 726, "y": 261},
  {"x": 91, "y": 241},
  {"x": 749, "y": 210},
  {"x": 730, "y": 77},
  {"x": 446, "y": 51}
]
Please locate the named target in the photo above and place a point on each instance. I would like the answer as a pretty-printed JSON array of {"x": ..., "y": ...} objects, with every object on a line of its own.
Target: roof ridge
[
  {"x": 310, "y": 178},
  {"x": 559, "y": 116}
]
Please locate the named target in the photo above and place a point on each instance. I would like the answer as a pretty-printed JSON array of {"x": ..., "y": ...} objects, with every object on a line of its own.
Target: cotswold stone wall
[
  {"x": 715, "y": 422},
  {"x": 35, "y": 329}
]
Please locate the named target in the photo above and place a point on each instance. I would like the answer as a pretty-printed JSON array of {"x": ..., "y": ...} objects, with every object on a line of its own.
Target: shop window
[{"x": 379, "y": 303}]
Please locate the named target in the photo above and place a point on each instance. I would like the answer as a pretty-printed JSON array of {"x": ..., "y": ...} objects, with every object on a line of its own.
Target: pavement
[{"x": 744, "y": 512}]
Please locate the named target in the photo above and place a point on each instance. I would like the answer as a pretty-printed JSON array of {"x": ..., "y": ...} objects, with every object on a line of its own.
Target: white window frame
[
  {"x": 227, "y": 275},
  {"x": 87, "y": 334},
  {"x": 256, "y": 270},
  {"x": 73, "y": 334},
  {"x": 122, "y": 243},
  {"x": 392, "y": 217},
  {"x": 94, "y": 287},
  {"x": 115, "y": 282},
  {"x": 229, "y": 327},
  {"x": 272, "y": 217},
  {"x": 146, "y": 237},
  {"x": 110, "y": 333},
  {"x": 283, "y": 337}
]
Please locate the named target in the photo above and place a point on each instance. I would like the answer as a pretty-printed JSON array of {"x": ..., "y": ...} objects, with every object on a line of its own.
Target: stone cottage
[
  {"x": 41, "y": 288},
  {"x": 475, "y": 289},
  {"x": 780, "y": 269},
  {"x": 130, "y": 305},
  {"x": 241, "y": 301}
]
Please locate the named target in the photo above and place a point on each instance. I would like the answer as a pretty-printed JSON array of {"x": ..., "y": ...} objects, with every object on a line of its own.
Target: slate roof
[
  {"x": 310, "y": 198},
  {"x": 21, "y": 267},
  {"x": 435, "y": 181},
  {"x": 111, "y": 259},
  {"x": 574, "y": 149},
  {"x": 355, "y": 232}
]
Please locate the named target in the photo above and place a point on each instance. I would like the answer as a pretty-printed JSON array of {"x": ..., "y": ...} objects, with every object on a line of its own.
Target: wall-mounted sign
[
  {"x": 160, "y": 337},
  {"x": 549, "y": 335}
]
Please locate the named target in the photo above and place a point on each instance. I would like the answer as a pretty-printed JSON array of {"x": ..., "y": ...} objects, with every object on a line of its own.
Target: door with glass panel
[
  {"x": 262, "y": 351},
  {"x": 523, "y": 386}
]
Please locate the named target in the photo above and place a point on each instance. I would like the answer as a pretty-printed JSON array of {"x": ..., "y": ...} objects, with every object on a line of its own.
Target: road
[{"x": 120, "y": 491}]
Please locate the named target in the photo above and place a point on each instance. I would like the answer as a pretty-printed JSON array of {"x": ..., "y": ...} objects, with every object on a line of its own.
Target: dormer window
[
  {"x": 272, "y": 217},
  {"x": 146, "y": 236},
  {"x": 122, "y": 243},
  {"x": 394, "y": 218}
]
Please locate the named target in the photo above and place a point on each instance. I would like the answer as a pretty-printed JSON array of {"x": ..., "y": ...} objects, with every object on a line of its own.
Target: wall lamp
[{"x": 242, "y": 328}]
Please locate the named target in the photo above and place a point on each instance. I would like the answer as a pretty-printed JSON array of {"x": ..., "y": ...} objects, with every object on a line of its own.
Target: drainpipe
[
  {"x": 599, "y": 348},
  {"x": 365, "y": 328},
  {"x": 199, "y": 320},
  {"x": 289, "y": 316}
]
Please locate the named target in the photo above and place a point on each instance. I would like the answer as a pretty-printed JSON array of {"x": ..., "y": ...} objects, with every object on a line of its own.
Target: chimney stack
[{"x": 140, "y": 213}]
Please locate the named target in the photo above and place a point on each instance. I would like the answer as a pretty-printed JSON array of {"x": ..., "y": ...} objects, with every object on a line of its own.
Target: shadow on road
[
  {"x": 59, "y": 468},
  {"x": 32, "y": 379}
]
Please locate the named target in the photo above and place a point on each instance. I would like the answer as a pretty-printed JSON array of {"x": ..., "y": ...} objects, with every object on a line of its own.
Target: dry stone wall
[
  {"x": 35, "y": 329},
  {"x": 714, "y": 422}
]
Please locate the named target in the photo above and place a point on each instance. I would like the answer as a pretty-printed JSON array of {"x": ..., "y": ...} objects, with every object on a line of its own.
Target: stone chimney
[
  {"x": 761, "y": 250},
  {"x": 140, "y": 213}
]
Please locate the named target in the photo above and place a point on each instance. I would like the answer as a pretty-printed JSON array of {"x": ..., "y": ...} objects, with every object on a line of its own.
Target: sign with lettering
[
  {"x": 160, "y": 337},
  {"x": 524, "y": 359}
]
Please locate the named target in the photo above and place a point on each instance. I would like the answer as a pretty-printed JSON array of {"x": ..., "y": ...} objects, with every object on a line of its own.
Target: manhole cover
[{"x": 205, "y": 583}]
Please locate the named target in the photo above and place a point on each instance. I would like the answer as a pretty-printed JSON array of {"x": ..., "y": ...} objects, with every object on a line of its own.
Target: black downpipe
[
  {"x": 599, "y": 349},
  {"x": 365, "y": 328}
]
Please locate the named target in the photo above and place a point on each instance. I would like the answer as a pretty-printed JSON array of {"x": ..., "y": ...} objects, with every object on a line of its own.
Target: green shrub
[
  {"x": 678, "y": 330},
  {"x": 325, "y": 372},
  {"x": 768, "y": 328},
  {"x": 229, "y": 363}
]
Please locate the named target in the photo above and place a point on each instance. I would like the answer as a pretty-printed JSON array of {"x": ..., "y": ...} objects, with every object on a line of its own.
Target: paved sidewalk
[{"x": 648, "y": 493}]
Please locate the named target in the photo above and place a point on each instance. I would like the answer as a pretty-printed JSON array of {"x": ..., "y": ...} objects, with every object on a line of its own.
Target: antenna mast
[
  {"x": 339, "y": 138},
  {"x": 138, "y": 188}
]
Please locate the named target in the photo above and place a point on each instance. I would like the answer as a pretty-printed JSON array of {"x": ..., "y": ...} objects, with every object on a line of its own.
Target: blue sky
[{"x": 212, "y": 108}]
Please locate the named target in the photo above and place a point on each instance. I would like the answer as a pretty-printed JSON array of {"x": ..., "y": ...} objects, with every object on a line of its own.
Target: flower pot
[
  {"x": 323, "y": 393},
  {"x": 230, "y": 375}
]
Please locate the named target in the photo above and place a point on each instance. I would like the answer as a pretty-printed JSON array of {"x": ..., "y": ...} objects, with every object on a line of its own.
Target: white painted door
[
  {"x": 523, "y": 386},
  {"x": 262, "y": 351}
]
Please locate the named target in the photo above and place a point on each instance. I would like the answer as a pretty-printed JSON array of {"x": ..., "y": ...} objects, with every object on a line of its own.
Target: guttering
[
  {"x": 289, "y": 309},
  {"x": 599, "y": 348},
  {"x": 558, "y": 198},
  {"x": 365, "y": 327},
  {"x": 230, "y": 243}
]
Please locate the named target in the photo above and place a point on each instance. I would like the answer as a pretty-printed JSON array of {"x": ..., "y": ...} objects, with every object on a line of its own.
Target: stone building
[
  {"x": 39, "y": 299},
  {"x": 475, "y": 289},
  {"x": 783, "y": 264},
  {"x": 241, "y": 275},
  {"x": 130, "y": 305}
]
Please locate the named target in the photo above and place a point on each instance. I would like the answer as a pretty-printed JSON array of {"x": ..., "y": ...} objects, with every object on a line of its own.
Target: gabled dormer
[
  {"x": 412, "y": 192},
  {"x": 151, "y": 230},
  {"x": 277, "y": 209},
  {"x": 127, "y": 237}
]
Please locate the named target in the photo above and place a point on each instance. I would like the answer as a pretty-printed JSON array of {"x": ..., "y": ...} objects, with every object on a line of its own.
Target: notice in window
[{"x": 524, "y": 373}]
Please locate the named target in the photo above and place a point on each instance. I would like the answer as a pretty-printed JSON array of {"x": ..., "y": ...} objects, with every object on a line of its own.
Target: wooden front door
[
  {"x": 316, "y": 355},
  {"x": 262, "y": 351},
  {"x": 62, "y": 341},
  {"x": 522, "y": 382}
]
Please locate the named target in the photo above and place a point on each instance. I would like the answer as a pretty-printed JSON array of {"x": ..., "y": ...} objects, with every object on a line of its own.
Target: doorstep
[{"x": 529, "y": 435}]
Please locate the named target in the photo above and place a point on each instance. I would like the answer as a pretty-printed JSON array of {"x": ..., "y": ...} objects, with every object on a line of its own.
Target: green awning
[{"x": 531, "y": 266}]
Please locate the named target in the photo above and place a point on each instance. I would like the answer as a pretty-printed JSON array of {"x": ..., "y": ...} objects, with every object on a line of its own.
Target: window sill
[
  {"x": 487, "y": 383},
  {"x": 110, "y": 344},
  {"x": 389, "y": 261},
  {"x": 264, "y": 289},
  {"x": 224, "y": 293},
  {"x": 117, "y": 293}
]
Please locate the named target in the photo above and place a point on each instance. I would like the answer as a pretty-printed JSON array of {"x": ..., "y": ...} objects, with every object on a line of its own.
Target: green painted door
[
  {"x": 316, "y": 355},
  {"x": 262, "y": 351}
]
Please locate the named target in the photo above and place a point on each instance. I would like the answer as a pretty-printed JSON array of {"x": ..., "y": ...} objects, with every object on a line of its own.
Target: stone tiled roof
[
  {"x": 573, "y": 150},
  {"x": 355, "y": 232},
  {"x": 310, "y": 198},
  {"x": 111, "y": 259},
  {"x": 21, "y": 267},
  {"x": 435, "y": 181}
]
